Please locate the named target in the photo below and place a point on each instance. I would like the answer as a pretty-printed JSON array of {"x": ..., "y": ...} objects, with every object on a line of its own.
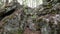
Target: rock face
[{"x": 44, "y": 19}]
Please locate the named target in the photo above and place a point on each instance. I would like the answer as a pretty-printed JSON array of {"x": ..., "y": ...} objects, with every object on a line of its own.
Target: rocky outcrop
[{"x": 18, "y": 19}]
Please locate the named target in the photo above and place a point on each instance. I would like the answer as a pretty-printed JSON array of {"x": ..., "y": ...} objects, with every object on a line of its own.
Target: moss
[
  {"x": 48, "y": 6},
  {"x": 20, "y": 31},
  {"x": 11, "y": 16},
  {"x": 34, "y": 16},
  {"x": 54, "y": 12}
]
